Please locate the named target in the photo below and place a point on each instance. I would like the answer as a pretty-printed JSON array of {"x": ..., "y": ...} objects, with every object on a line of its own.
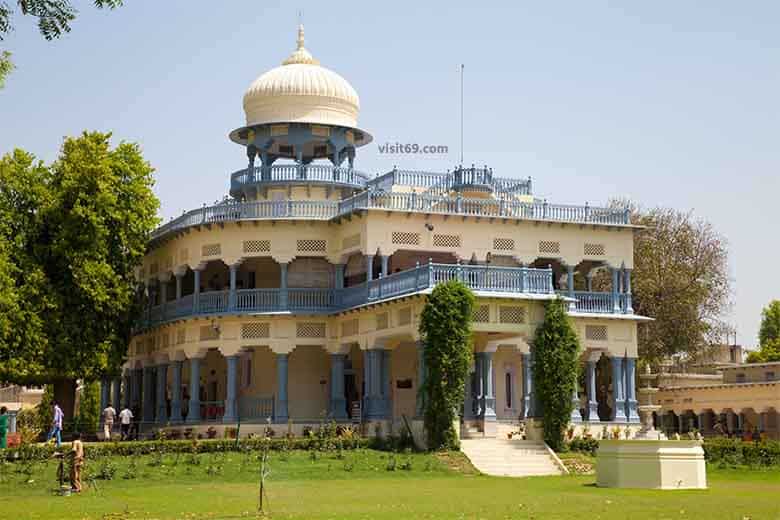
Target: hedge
[{"x": 33, "y": 452}]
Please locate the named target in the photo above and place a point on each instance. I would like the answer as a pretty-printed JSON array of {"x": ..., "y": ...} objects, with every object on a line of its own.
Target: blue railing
[
  {"x": 286, "y": 173},
  {"x": 521, "y": 281},
  {"x": 600, "y": 302}
]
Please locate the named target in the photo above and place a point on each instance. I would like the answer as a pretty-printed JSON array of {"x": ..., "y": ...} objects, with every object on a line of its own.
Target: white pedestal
[{"x": 651, "y": 464}]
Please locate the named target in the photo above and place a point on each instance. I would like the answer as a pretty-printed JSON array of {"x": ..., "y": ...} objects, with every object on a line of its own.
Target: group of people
[{"x": 126, "y": 423}]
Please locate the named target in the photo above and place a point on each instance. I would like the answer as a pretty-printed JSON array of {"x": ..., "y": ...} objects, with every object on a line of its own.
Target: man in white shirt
[
  {"x": 109, "y": 414},
  {"x": 125, "y": 419}
]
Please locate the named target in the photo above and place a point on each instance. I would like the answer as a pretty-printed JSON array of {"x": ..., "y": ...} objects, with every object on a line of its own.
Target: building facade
[{"x": 298, "y": 297}]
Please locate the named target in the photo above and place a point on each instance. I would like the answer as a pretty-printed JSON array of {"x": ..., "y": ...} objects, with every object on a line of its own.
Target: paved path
[{"x": 509, "y": 458}]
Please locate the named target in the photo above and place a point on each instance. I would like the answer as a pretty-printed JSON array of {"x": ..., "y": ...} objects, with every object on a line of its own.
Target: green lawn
[{"x": 360, "y": 486}]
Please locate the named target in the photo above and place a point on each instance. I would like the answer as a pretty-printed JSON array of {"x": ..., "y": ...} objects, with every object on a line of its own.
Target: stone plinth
[{"x": 651, "y": 464}]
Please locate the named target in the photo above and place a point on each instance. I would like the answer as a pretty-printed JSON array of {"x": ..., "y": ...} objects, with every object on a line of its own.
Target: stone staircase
[{"x": 511, "y": 458}]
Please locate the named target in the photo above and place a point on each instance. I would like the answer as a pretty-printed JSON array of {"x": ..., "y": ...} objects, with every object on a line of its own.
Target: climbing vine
[
  {"x": 445, "y": 327},
  {"x": 556, "y": 351}
]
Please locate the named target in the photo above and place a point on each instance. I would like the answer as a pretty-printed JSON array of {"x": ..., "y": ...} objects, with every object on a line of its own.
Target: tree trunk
[{"x": 65, "y": 396}]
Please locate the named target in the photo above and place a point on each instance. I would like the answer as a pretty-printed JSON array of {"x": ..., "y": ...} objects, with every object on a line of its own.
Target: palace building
[{"x": 298, "y": 298}]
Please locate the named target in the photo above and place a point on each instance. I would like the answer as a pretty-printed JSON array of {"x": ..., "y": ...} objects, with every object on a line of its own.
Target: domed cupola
[{"x": 300, "y": 111}]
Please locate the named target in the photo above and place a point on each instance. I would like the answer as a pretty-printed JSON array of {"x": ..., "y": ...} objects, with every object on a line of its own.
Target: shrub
[
  {"x": 587, "y": 445},
  {"x": 734, "y": 452},
  {"x": 556, "y": 349},
  {"x": 445, "y": 327}
]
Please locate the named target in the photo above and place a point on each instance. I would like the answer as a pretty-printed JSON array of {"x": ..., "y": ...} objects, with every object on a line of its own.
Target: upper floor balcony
[{"x": 486, "y": 280}]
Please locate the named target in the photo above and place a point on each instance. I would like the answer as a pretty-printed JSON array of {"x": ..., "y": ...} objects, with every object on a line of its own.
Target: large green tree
[
  {"x": 445, "y": 327},
  {"x": 768, "y": 335},
  {"x": 54, "y": 19},
  {"x": 80, "y": 226},
  {"x": 680, "y": 279}
]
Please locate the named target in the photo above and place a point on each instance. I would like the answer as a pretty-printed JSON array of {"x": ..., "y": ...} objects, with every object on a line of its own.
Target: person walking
[
  {"x": 109, "y": 414},
  {"x": 125, "y": 419},
  {"x": 3, "y": 427},
  {"x": 56, "y": 425},
  {"x": 77, "y": 453}
]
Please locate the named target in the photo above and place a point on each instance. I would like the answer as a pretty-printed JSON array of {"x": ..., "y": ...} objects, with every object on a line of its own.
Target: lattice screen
[
  {"x": 207, "y": 332},
  {"x": 351, "y": 241},
  {"x": 310, "y": 330},
  {"x": 446, "y": 240},
  {"x": 596, "y": 332},
  {"x": 349, "y": 328},
  {"x": 546, "y": 246},
  {"x": 255, "y": 330},
  {"x": 503, "y": 244},
  {"x": 211, "y": 250},
  {"x": 482, "y": 314},
  {"x": 405, "y": 316},
  {"x": 312, "y": 245},
  {"x": 406, "y": 237},
  {"x": 594, "y": 249},
  {"x": 181, "y": 336},
  {"x": 257, "y": 246},
  {"x": 381, "y": 321},
  {"x": 513, "y": 314}
]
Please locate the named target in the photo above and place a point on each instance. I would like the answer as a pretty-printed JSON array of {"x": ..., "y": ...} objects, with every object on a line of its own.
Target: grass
[{"x": 359, "y": 485}]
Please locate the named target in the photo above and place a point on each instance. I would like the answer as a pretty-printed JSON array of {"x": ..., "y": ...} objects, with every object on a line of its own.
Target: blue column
[
  {"x": 369, "y": 267},
  {"x": 105, "y": 397},
  {"x": 128, "y": 384},
  {"x": 387, "y": 381},
  {"x": 137, "y": 376},
  {"x": 163, "y": 296},
  {"x": 570, "y": 280},
  {"x": 615, "y": 285},
  {"x": 176, "y": 393},
  {"x": 339, "y": 275},
  {"x": 193, "y": 413},
  {"x": 374, "y": 384},
  {"x": 178, "y": 285},
  {"x": 631, "y": 403},
  {"x": 421, "y": 374},
  {"x": 148, "y": 394},
  {"x": 488, "y": 409},
  {"x": 618, "y": 380},
  {"x": 593, "y": 404},
  {"x": 338, "y": 404},
  {"x": 196, "y": 292},
  {"x": 385, "y": 260},
  {"x": 283, "y": 293},
  {"x": 282, "y": 361},
  {"x": 116, "y": 394},
  {"x": 231, "y": 413},
  {"x": 162, "y": 394},
  {"x": 232, "y": 293},
  {"x": 627, "y": 289},
  {"x": 527, "y": 385}
]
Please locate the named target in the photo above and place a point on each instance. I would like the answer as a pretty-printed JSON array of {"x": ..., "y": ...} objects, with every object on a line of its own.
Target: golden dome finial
[{"x": 300, "y": 55}]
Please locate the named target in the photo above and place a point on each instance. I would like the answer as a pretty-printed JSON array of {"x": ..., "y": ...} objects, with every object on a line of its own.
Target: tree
[
  {"x": 768, "y": 335},
  {"x": 680, "y": 279},
  {"x": 556, "y": 351},
  {"x": 89, "y": 408},
  {"x": 54, "y": 18},
  {"x": 77, "y": 231},
  {"x": 445, "y": 327}
]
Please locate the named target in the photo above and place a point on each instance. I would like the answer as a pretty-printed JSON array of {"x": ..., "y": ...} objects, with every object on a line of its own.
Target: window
[
  {"x": 509, "y": 390},
  {"x": 740, "y": 378}
]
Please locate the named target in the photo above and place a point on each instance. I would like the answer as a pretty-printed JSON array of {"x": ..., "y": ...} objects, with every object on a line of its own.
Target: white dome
[{"x": 301, "y": 91}]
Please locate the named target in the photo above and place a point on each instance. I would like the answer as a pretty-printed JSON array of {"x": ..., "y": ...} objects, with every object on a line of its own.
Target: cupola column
[{"x": 283, "y": 293}]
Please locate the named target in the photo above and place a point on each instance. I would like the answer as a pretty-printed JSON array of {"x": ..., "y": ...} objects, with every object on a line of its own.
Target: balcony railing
[
  {"x": 286, "y": 173},
  {"x": 256, "y": 409},
  {"x": 520, "y": 281},
  {"x": 600, "y": 302}
]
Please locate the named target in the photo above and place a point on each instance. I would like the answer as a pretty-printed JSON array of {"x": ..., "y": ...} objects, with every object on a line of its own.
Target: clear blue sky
[{"x": 668, "y": 103}]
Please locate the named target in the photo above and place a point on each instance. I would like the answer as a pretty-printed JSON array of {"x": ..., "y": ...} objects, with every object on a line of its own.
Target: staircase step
[{"x": 513, "y": 458}]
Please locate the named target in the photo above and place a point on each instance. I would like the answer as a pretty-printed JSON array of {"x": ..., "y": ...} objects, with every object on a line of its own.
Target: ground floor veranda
[{"x": 308, "y": 384}]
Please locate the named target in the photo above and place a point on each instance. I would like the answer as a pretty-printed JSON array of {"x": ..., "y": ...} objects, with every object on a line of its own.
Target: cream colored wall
[
  {"x": 263, "y": 373},
  {"x": 752, "y": 372},
  {"x": 404, "y": 366},
  {"x": 308, "y": 384},
  {"x": 719, "y": 398},
  {"x": 373, "y": 231}
]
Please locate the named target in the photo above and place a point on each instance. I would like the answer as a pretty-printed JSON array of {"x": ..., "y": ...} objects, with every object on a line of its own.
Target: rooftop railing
[
  {"x": 285, "y": 173},
  {"x": 520, "y": 281}
]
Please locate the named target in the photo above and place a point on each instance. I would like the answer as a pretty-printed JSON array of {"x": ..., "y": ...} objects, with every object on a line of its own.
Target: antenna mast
[{"x": 462, "y": 66}]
